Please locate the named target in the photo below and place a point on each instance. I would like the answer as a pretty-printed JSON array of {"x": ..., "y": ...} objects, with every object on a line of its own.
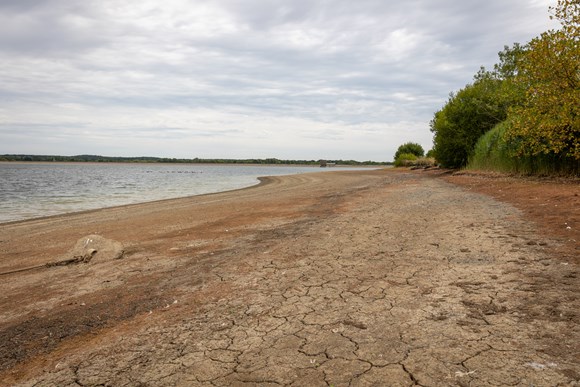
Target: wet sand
[{"x": 340, "y": 278}]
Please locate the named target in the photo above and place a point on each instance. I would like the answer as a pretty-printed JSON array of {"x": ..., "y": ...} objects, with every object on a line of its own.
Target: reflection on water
[{"x": 34, "y": 190}]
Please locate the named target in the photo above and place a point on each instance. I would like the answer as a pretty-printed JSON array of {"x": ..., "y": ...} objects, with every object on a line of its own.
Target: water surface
[{"x": 30, "y": 190}]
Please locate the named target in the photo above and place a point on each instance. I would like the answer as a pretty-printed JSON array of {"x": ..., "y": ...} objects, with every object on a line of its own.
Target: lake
[{"x": 30, "y": 190}]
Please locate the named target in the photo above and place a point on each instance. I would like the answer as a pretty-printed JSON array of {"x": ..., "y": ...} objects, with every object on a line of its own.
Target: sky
[{"x": 290, "y": 79}]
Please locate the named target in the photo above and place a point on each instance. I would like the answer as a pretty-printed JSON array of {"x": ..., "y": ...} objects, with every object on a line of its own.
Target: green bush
[
  {"x": 466, "y": 116},
  {"x": 405, "y": 160},
  {"x": 410, "y": 148}
]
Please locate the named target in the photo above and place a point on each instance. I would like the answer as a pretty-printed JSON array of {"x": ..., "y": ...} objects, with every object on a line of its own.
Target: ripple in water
[{"x": 37, "y": 189}]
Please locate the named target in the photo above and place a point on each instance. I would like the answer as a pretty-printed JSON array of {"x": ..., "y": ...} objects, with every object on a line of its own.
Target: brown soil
[
  {"x": 553, "y": 204},
  {"x": 341, "y": 278}
]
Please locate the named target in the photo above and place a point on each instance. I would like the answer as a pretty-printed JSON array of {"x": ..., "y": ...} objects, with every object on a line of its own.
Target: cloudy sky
[{"x": 292, "y": 79}]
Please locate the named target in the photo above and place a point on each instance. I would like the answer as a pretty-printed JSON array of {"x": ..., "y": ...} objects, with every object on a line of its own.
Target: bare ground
[{"x": 335, "y": 279}]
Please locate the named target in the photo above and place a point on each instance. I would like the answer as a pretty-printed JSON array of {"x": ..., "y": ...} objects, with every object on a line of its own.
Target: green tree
[
  {"x": 476, "y": 108},
  {"x": 547, "y": 121},
  {"x": 466, "y": 116},
  {"x": 410, "y": 148},
  {"x": 509, "y": 60}
]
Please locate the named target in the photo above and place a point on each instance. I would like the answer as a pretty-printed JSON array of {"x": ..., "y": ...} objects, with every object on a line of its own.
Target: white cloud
[{"x": 229, "y": 78}]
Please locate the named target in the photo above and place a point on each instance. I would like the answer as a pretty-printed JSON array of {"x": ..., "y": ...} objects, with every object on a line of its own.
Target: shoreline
[
  {"x": 264, "y": 180},
  {"x": 150, "y": 202},
  {"x": 364, "y": 166},
  {"x": 96, "y": 199},
  {"x": 350, "y": 277}
]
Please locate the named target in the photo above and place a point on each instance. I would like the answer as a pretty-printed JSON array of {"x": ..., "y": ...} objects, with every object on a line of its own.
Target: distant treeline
[{"x": 109, "y": 159}]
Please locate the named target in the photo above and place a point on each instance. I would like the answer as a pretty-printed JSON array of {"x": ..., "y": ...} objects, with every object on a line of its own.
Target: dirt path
[{"x": 335, "y": 279}]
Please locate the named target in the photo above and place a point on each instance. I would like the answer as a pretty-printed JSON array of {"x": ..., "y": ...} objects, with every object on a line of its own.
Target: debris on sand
[
  {"x": 89, "y": 248},
  {"x": 540, "y": 366}
]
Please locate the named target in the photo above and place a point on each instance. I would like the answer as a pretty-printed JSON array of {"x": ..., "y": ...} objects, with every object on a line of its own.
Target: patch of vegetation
[
  {"x": 405, "y": 160},
  {"x": 424, "y": 162},
  {"x": 467, "y": 115},
  {"x": 547, "y": 121},
  {"x": 410, "y": 148},
  {"x": 493, "y": 153},
  {"x": 524, "y": 116}
]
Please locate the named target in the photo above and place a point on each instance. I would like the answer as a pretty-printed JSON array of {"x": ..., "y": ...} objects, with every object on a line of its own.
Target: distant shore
[
  {"x": 371, "y": 166},
  {"x": 153, "y": 160}
]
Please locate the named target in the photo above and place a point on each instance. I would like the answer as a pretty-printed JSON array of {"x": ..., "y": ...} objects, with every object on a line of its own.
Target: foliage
[
  {"x": 424, "y": 162},
  {"x": 467, "y": 115},
  {"x": 430, "y": 154},
  {"x": 568, "y": 12},
  {"x": 405, "y": 159},
  {"x": 533, "y": 93},
  {"x": 410, "y": 148},
  {"x": 509, "y": 60},
  {"x": 547, "y": 121},
  {"x": 493, "y": 153}
]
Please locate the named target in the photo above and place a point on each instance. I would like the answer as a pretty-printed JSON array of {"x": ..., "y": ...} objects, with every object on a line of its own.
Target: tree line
[
  {"x": 112, "y": 159},
  {"x": 524, "y": 114}
]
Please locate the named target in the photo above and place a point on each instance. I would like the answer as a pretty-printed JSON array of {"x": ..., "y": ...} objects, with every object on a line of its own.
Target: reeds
[{"x": 493, "y": 153}]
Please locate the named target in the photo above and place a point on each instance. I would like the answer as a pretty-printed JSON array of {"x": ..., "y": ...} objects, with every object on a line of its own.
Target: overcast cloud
[{"x": 292, "y": 79}]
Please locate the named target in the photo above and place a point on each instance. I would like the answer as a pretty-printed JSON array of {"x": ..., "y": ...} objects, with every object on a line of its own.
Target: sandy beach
[{"x": 345, "y": 278}]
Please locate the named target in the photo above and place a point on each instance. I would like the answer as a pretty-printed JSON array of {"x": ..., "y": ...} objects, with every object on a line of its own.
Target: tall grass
[{"x": 492, "y": 153}]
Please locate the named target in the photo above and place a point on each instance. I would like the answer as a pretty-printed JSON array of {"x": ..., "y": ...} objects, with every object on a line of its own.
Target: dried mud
[{"x": 356, "y": 278}]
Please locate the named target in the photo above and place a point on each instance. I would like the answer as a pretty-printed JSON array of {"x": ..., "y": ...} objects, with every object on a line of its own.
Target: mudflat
[{"x": 343, "y": 278}]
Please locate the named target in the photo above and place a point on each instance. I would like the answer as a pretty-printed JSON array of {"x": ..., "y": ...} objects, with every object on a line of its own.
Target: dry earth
[{"x": 343, "y": 278}]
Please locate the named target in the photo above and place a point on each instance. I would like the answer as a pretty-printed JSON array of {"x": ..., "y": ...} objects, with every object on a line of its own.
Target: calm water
[{"x": 35, "y": 190}]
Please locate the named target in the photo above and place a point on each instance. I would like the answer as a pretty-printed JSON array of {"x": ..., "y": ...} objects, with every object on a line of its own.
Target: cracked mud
[{"x": 335, "y": 279}]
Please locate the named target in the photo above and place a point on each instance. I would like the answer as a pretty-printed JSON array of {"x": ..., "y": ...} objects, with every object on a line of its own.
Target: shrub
[
  {"x": 494, "y": 153},
  {"x": 405, "y": 160},
  {"x": 410, "y": 148},
  {"x": 424, "y": 162}
]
